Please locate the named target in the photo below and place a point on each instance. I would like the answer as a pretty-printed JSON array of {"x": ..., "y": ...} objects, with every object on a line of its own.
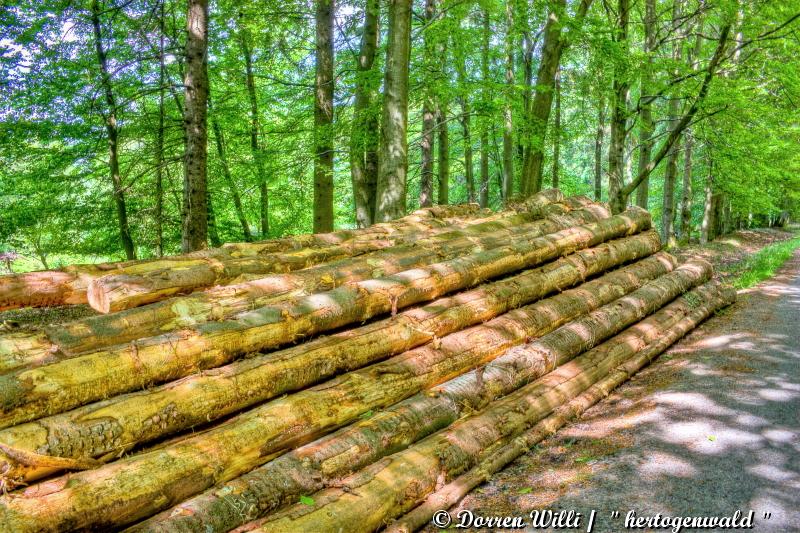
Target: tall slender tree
[
  {"x": 364, "y": 131},
  {"x": 194, "y": 235},
  {"x": 428, "y": 110},
  {"x": 323, "y": 118},
  {"x": 112, "y": 131},
  {"x": 393, "y": 162},
  {"x": 646, "y": 126}
]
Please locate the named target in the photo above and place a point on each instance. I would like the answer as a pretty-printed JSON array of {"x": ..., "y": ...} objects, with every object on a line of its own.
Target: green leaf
[
  {"x": 306, "y": 500},
  {"x": 525, "y": 490},
  {"x": 366, "y": 415}
]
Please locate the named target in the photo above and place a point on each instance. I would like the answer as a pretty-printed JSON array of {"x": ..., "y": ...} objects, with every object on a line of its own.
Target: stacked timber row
[{"x": 346, "y": 392}]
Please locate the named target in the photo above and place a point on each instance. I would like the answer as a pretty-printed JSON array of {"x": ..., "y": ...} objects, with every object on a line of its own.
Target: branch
[{"x": 686, "y": 119}]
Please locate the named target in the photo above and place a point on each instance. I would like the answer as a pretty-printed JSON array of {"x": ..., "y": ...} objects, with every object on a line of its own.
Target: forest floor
[{"x": 711, "y": 427}]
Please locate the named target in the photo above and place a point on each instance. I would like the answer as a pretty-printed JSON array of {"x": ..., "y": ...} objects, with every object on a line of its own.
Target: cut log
[
  {"x": 18, "y": 350},
  {"x": 311, "y": 467},
  {"x": 80, "y": 433},
  {"x": 154, "y": 480},
  {"x": 643, "y": 346},
  {"x": 69, "y": 285},
  {"x": 396, "y": 484},
  {"x": 29, "y": 394}
]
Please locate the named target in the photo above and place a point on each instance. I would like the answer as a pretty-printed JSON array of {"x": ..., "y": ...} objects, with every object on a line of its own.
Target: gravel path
[{"x": 713, "y": 426}]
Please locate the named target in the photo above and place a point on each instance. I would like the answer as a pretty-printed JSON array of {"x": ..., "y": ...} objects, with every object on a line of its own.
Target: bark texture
[{"x": 323, "y": 118}]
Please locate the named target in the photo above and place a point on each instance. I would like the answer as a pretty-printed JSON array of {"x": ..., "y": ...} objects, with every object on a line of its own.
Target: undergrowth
[{"x": 764, "y": 263}]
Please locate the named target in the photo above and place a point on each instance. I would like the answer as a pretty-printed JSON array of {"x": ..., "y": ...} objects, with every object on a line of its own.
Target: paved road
[{"x": 712, "y": 427}]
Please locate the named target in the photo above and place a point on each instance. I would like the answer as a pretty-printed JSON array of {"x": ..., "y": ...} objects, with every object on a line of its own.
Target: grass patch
[{"x": 764, "y": 263}]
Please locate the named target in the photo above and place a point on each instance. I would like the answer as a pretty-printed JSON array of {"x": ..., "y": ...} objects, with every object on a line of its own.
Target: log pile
[{"x": 341, "y": 382}]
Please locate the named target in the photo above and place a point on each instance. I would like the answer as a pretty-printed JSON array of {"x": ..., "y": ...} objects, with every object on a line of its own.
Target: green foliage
[
  {"x": 765, "y": 263},
  {"x": 56, "y": 200}
]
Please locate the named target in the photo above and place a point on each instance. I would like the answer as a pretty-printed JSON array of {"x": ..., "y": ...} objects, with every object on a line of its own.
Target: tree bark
[
  {"x": 510, "y": 97},
  {"x": 363, "y": 135},
  {"x": 685, "y": 229},
  {"x": 646, "y": 126},
  {"x": 267, "y": 376},
  {"x": 598, "y": 148},
  {"x": 255, "y": 145},
  {"x": 213, "y": 234},
  {"x": 393, "y": 160},
  {"x": 556, "y": 132},
  {"x": 314, "y": 466},
  {"x": 30, "y": 394},
  {"x": 465, "y": 119},
  {"x": 671, "y": 170},
  {"x": 706, "y": 226},
  {"x": 459, "y": 446},
  {"x": 428, "y": 113},
  {"x": 112, "y": 131},
  {"x": 159, "y": 148},
  {"x": 483, "y": 193},
  {"x": 639, "y": 343},
  {"x": 443, "y": 197},
  {"x": 323, "y": 118},
  {"x": 619, "y": 113},
  {"x": 194, "y": 235}
]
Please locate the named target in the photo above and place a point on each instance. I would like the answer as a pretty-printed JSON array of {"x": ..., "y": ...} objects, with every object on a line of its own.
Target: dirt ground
[{"x": 711, "y": 427}]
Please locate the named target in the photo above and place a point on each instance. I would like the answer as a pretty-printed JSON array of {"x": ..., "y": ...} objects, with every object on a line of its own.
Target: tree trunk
[
  {"x": 226, "y": 175},
  {"x": 686, "y": 196},
  {"x": 646, "y": 126},
  {"x": 260, "y": 378},
  {"x": 671, "y": 170},
  {"x": 96, "y": 332},
  {"x": 510, "y": 97},
  {"x": 323, "y": 118},
  {"x": 483, "y": 193},
  {"x": 598, "y": 148},
  {"x": 640, "y": 345},
  {"x": 159, "y": 193},
  {"x": 466, "y": 119},
  {"x": 314, "y": 466},
  {"x": 30, "y": 394},
  {"x": 459, "y": 446},
  {"x": 707, "y": 225},
  {"x": 443, "y": 197},
  {"x": 194, "y": 233},
  {"x": 428, "y": 114},
  {"x": 255, "y": 145},
  {"x": 556, "y": 132},
  {"x": 393, "y": 160},
  {"x": 113, "y": 137},
  {"x": 616, "y": 147},
  {"x": 363, "y": 134}
]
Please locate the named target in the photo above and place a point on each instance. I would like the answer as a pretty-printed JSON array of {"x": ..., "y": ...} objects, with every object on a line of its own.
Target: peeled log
[
  {"x": 643, "y": 343},
  {"x": 399, "y": 482},
  {"x": 27, "y": 349},
  {"x": 313, "y": 466},
  {"x": 29, "y": 394},
  {"x": 153, "y": 480},
  {"x": 69, "y": 285}
]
